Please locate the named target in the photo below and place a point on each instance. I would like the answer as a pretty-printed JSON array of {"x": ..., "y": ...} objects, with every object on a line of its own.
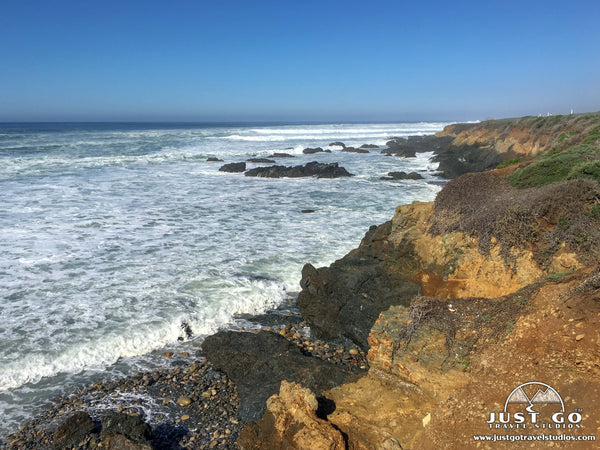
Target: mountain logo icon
[{"x": 544, "y": 394}]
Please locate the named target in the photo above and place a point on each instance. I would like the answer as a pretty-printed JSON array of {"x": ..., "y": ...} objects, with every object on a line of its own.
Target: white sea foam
[{"x": 115, "y": 237}]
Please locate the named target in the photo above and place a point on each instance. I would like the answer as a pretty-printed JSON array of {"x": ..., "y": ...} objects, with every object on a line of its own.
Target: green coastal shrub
[
  {"x": 510, "y": 162},
  {"x": 556, "y": 166},
  {"x": 592, "y": 137},
  {"x": 586, "y": 170}
]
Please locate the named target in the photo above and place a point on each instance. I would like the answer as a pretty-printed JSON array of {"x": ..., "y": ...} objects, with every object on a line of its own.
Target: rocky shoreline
[{"x": 406, "y": 342}]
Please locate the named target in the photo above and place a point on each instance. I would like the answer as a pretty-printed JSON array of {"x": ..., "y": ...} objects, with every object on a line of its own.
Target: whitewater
[{"x": 117, "y": 238}]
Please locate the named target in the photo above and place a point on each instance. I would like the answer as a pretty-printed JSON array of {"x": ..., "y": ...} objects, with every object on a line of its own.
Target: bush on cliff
[
  {"x": 544, "y": 218},
  {"x": 556, "y": 166}
]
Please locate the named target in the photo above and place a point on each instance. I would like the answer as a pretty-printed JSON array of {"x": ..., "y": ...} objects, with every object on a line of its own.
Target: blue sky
[{"x": 90, "y": 60}]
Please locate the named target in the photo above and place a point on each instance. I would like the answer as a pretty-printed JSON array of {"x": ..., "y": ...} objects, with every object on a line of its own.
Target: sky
[{"x": 303, "y": 60}]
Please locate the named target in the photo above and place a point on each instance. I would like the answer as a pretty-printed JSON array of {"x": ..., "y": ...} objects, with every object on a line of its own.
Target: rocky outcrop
[
  {"x": 410, "y": 146},
  {"x": 291, "y": 421},
  {"x": 310, "y": 151},
  {"x": 258, "y": 363},
  {"x": 311, "y": 169},
  {"x": 369, "y": 146},
  {"x": 233, "y": 167},
  {"x": 402, "y": 176},
  {"x": 337, "y": 144}
]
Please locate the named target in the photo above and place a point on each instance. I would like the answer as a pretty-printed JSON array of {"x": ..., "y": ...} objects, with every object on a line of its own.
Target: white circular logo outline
[{"x": 535, "y": 382}]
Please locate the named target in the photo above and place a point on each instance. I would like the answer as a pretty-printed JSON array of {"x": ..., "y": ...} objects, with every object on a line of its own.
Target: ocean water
[{"x": 114, "y": 235}]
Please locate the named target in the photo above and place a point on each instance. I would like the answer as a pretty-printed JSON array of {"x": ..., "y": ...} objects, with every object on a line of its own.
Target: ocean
[{"x": 116, "y": 237}]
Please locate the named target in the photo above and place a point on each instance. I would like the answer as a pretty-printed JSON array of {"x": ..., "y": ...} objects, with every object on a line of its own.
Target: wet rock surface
[
  {"x": 258, "y": 362},
  {"x": 311, "y": 169}
]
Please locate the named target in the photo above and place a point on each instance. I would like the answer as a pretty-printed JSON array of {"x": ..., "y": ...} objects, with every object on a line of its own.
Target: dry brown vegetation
[{"x": 486, "y": 205}]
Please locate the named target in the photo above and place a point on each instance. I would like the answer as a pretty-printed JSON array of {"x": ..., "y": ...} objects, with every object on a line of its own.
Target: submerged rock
[
  {"x": 311, "y": 169},
  {"x": 369, "y": 146},
  {"x": 355, "y": 150},
  {"x": 233, "y": 167},
  {"x": 338, "y": 144},
  {"x": 281, "y": 155},
  {"x": 261, "y": 160},
  {"x": 213, "y": 159}
]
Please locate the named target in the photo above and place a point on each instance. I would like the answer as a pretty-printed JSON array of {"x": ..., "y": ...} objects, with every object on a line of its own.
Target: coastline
[{"x": 403, "y": 249}]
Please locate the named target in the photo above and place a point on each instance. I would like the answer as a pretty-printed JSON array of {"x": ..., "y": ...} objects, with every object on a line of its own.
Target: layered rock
[{"x": 291, "y": 422}]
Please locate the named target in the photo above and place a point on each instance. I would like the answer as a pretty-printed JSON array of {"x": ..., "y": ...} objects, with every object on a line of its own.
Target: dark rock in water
[
  {"x": 369, "y": 146},
  {"x": 308, "y": 211},
  {"x": 311, "y": 169},
  {"x": 233, "y": 167},
  {"x": 355, "y": 150},
  {"x": 257, "y": 363},
  {"x": 132, "y": 427},
  {"x": 310, "y": 151},
  {"x": 409, "y": 147},
  {"x": 339, "y": 144},
  {"x": 402, "y": 176},
  {"x": 282, "y": 155},
  {"x": 213, "y": 159},
  {"x": 73, "y": 430},
  {"x": 342, "y": 301},
  {"x": 261, "y": 160},
  {"x": 457, "y": 160}
]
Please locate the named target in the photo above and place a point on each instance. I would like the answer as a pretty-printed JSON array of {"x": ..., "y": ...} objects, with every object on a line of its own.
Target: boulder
[
  {"x": 233, "y": 167},
  {"x": 311, "y": 169},
  {"x": 369, "y": 146},
  {"x": 258, "y": 363},
  {"x": 132, "y": 427},
  {"x": 338, "y": 144},
  {"x": 213, "y": 159},
  {"x": 73, "y": 430}
]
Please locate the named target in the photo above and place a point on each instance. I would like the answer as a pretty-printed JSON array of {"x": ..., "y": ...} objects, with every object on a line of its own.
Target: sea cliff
[{"x": 461, "y": 300}]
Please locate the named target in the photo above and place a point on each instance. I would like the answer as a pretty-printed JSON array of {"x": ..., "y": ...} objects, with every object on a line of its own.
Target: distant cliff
[{"x": 476, "y": 147}]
